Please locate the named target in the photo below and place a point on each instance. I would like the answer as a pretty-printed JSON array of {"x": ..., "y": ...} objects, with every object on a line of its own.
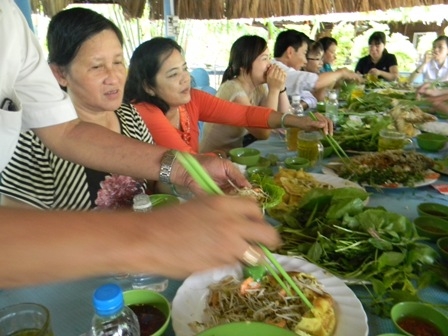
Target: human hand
[
  {"x": 202, "y": 233},
  {"x": 353, "y": 76},
  {"x": 220, "y": 170},
  {"x": 375, "y": 72},
  {"x": 275, "y": 78},
  {"x": 323, "y": 123},
  {"x": 428, "y": 56},
  {"x": 429, "y": 90}
]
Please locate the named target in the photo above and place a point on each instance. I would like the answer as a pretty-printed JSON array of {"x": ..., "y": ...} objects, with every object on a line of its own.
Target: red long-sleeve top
[{"x": 202, "y": 107}]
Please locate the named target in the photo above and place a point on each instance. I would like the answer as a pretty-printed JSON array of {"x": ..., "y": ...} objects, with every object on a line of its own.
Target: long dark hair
[
  {"x": 243, "y": 53},
  {"x": 145, "y": 63},
  {"x": 70, "y": 28}
]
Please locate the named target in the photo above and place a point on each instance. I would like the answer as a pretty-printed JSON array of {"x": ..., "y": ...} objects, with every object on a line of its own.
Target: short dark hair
[
  {"x": 145, "y": 63},
  {"x": 243, "y": 53},
  {"x": 327, "y": 41},
  {"x": 289, "y": 38},
  {"x": 70, "y": 28},
  {"x": 377, "y": 38},
  {"x": 314, "y": 47},
  {"x": 441, "y": 38}
]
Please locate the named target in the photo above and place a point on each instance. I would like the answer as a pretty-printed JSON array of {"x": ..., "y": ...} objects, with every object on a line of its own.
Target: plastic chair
[
  {"x": 201, "y": 81},
  {"x": 200, "y": 78}
]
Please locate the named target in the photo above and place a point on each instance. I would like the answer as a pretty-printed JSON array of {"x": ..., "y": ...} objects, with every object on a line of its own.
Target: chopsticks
[
  {"x": 198, "y": 173},
  {"x": 333, "y": 143}
]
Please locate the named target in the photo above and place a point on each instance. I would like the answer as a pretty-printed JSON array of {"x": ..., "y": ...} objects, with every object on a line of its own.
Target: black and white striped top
[{"x": 38, "y": 177}]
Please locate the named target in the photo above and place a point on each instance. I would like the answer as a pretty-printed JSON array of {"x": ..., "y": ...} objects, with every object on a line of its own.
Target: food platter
[
  {"x": 190, "y": 299},
  {"x": 437, "y": 127},
  {"x": 428, "y": 181},
  {"x": 441, "y": 166},
  {"x": 335, "y": 181}
]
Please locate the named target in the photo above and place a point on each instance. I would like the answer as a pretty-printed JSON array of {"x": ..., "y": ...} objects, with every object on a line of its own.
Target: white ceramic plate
[
  {"x": 335, "y": 181},
  {"x": 330, "y": 172},
  {"x": 191, "y": 297}
]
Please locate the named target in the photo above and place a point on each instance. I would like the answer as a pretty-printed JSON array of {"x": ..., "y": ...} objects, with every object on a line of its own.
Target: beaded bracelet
[{"x": 283, "y": 90}]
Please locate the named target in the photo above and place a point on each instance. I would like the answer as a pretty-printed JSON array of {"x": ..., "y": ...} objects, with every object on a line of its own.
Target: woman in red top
[{"x": 159, "y": 86}]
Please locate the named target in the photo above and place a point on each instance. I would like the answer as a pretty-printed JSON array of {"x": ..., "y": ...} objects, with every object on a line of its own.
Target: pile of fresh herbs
[
  {"x": 361, "y": 133},
  {"x": 334, "y": 230},
  {"x": 371, "y": 101}
]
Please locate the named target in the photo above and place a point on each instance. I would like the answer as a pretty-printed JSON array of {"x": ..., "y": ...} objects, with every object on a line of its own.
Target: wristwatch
[{"x": 166, "y": 165}]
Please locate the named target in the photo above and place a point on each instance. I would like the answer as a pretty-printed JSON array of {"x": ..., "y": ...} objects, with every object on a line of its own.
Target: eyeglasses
[{"x": 314, "y": 59}]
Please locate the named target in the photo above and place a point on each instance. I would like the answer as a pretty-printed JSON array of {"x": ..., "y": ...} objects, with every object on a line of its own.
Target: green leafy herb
[{"x": 333, "y": 229}]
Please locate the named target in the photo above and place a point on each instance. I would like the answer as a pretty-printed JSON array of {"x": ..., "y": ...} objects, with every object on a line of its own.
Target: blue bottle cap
[{"x": 108, "y": 300}]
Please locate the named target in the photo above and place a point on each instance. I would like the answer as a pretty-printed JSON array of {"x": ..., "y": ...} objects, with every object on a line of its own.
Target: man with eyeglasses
[{"x": 290, "y": 54}]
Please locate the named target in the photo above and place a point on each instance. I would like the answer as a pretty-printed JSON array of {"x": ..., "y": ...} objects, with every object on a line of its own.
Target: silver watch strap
[{"x": 166, "y": 165}]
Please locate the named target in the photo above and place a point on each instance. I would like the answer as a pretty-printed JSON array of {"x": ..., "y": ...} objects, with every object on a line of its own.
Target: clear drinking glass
[
  {"x": 393, "y": 140},
  {"x": 25, "y": 319},
  {"x": 310, "y": 147}
]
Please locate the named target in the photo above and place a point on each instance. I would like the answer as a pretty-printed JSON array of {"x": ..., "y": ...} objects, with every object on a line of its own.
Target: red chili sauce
[
  {"x": 149, "y": 317},
  {"x": 418, "y": 327}
]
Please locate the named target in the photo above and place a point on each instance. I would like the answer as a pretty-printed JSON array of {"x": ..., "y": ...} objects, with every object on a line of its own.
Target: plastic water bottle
[
  {"x": 296, "y": 106},
  {"x": 291, "y": 133},
  {"x": 142, "y": 203},
  {"x": 332, "y": 106},
  {"x": 112, "y": 317}
]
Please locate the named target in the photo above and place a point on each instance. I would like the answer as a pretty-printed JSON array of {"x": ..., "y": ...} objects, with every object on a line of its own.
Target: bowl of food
[
  {"x": 431, "y": 142},
  {"x": 245, "y": 156},
  {"x": 442, "y": 246},
  {"x": 259, "y": 170},
  {"x": 152, "y": 309},
  {"x": 264, "y": 162},
  {"x": 431, "y": 227},
  {"x": 246, "y": 328},
  {"x": 433, "y": 209},
  {"x": 418, "y": 318},
  {"x": 297, "y": 163}
]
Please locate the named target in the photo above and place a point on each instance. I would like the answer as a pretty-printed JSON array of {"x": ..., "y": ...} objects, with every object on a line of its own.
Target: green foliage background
[{"x": 207, "y": 42}]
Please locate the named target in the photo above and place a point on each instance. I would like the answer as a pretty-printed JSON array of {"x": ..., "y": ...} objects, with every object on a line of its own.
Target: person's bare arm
[
  {"x": 329, "y": 79},
  {"x": 101, "y": 149},
  {"x": 41, "y": 246},
  {"x": 283, "y": 103},
  {"x": 304, "y": 123},
  {"x": 389, "y": 76},
  {"x": 259, "y": 133},
  {"x": 419, "y": 69},
  {"x": 98, "y": 148}
]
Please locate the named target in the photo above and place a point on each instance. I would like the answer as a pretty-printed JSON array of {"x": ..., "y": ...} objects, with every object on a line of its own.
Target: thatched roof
[{"x": 234, "y": 9}]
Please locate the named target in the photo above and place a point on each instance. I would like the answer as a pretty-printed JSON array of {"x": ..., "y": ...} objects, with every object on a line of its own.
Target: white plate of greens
[
  {"x": 191, "y": 297},
  {"x": 430, "y": 179}
]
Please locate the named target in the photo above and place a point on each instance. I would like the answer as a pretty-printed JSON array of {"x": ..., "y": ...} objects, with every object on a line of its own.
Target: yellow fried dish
[
  {"x": 233, "y": 300},
  {"x": 296, "y": 184}
]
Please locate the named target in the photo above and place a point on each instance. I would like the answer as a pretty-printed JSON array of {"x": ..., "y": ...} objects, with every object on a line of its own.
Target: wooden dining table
[{"x": 70, "y": 302}]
